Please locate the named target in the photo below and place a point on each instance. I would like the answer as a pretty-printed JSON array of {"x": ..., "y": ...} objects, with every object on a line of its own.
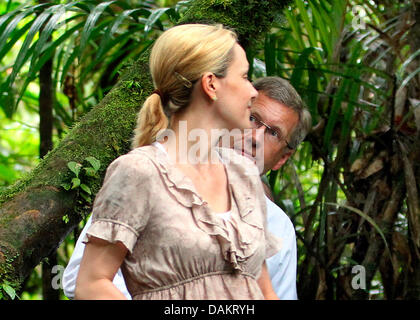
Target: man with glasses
[{"x": 281, "y": 123}]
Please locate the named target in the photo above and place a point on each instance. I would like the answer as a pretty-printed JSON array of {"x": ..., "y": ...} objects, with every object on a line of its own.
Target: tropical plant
[
  {"x": 88, "y": 41},
  {"x": 355, "y": 63}
]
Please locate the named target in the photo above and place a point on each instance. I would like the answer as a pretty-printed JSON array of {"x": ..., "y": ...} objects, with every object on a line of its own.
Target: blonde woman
[{"x": 184, "y": 227}]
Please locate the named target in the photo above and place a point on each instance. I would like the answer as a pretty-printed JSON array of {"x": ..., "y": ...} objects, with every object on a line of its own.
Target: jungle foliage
[{"x": 352, "y": 188}]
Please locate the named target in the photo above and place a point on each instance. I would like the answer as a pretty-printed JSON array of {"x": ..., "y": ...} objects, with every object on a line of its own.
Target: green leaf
[
  {"x": 347, "y": 122},
  {"x": 74, "y": 167},
  {"x": 300, "y": 66},
  {"x": 303, "y": 13},
  {"x": 9, "y": 290},
  {"x": 95, "y": 163},
  {"x": 4, "y": 20},
  {"x": 90, "y": 23},
  {"x": 62, "y": 114},
  {"x": 131, "y": 56},
  {"x": 26, "y": 50},
  {"x": 48, "y": 54},
  {"x": 313, "y": 77},
  {"x": 322, "y": 25},
  {"x": 86, "y": 197},
  {"x": 11, "y": 25},
  {"x": 90, "y": 172},
  {"x": 270, "y": 54},
  {"x": 5, "y": 48},
  {"x": 343, "y": 90},
  {"x": 85, "y": 188},
  {"x": 112, "y": 28},
  {"x": 75, "y": 182},
  {"x": 57, "y": 11},
  {"x": 66, "y": 218},
  {"x": 297, "y": 31},
  {"x": 154, "y": 18}
]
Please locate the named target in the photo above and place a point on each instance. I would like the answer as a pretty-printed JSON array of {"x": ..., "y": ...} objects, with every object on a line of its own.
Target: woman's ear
[{"x": 209, "y": 85}]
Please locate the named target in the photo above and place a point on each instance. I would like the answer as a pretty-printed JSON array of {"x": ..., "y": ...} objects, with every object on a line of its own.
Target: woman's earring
[{"x": 214, "y": 98}]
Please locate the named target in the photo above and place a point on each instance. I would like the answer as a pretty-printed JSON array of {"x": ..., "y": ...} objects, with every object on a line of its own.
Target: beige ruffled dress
[{"x": 179, "y": 248}]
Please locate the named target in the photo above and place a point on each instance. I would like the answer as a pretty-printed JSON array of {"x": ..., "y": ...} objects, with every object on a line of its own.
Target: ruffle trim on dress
[
  {"x": 112, "y": 231},
  {"x": 183, "y": 190},
  {"x": 274, "y": 245}
]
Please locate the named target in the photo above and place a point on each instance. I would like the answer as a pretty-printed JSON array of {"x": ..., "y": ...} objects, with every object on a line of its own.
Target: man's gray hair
[{"x": 282, "y": 91}]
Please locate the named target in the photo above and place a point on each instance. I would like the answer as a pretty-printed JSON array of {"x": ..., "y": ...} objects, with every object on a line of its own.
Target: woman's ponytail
[{"x": 150, "y": 120}]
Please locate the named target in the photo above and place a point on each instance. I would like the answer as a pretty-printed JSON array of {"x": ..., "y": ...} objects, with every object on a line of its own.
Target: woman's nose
[{"x": 254, "y": 92}]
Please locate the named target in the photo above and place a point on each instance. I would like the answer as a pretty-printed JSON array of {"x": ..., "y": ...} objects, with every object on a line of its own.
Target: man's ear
[
  {"x": 209, "y": 85},
  {"x": 282, "y": 160}
]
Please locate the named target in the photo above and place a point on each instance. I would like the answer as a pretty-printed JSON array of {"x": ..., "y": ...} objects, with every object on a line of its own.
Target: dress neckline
[{"x": 226, "y": 215}]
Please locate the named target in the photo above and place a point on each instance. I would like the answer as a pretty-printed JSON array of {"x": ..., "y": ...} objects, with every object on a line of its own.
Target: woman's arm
[
  {"x": 101, "y": 261},
  {"x": 265, "y": 284},
  {"x": 73, "y": 266}
]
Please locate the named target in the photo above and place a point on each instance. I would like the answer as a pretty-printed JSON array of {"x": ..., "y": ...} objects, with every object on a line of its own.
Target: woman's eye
[{"x": 252, "y": 118}]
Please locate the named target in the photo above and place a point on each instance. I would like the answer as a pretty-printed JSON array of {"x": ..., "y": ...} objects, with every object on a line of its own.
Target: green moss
[
  {"x": 250, "y": 19},
  {"x": 7, "y": 275}
]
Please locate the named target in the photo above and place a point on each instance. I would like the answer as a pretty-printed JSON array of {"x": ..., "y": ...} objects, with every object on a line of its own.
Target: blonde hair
[{"x": 179, "y": 57}]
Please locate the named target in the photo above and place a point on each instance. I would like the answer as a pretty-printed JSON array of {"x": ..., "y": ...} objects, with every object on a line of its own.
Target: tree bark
[
  {"x": 32, "y": 210},
  {"x": 46, "y": 106},
  {"x": 46, "y": 121}
]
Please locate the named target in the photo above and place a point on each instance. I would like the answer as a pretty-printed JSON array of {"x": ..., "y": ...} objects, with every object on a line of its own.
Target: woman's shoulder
[{"x": 139, "y": 161}]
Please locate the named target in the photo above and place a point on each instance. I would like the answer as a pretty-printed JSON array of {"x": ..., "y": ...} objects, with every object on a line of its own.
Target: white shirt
[{"x": 283, "y": 265}]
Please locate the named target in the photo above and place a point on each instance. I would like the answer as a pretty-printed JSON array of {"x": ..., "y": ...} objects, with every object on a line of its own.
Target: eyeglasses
[{"x": 273, "y": 134}]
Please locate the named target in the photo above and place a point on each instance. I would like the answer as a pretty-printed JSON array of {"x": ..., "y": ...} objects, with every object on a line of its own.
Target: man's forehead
[{"x": 264, "y": 102}]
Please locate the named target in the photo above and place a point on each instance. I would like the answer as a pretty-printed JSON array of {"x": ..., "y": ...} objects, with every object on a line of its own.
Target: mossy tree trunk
[{"x": 32, "y": 210}]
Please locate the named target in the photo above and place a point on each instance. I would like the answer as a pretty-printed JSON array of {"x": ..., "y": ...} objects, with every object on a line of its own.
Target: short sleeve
[{"x": 121, "y": 208}]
